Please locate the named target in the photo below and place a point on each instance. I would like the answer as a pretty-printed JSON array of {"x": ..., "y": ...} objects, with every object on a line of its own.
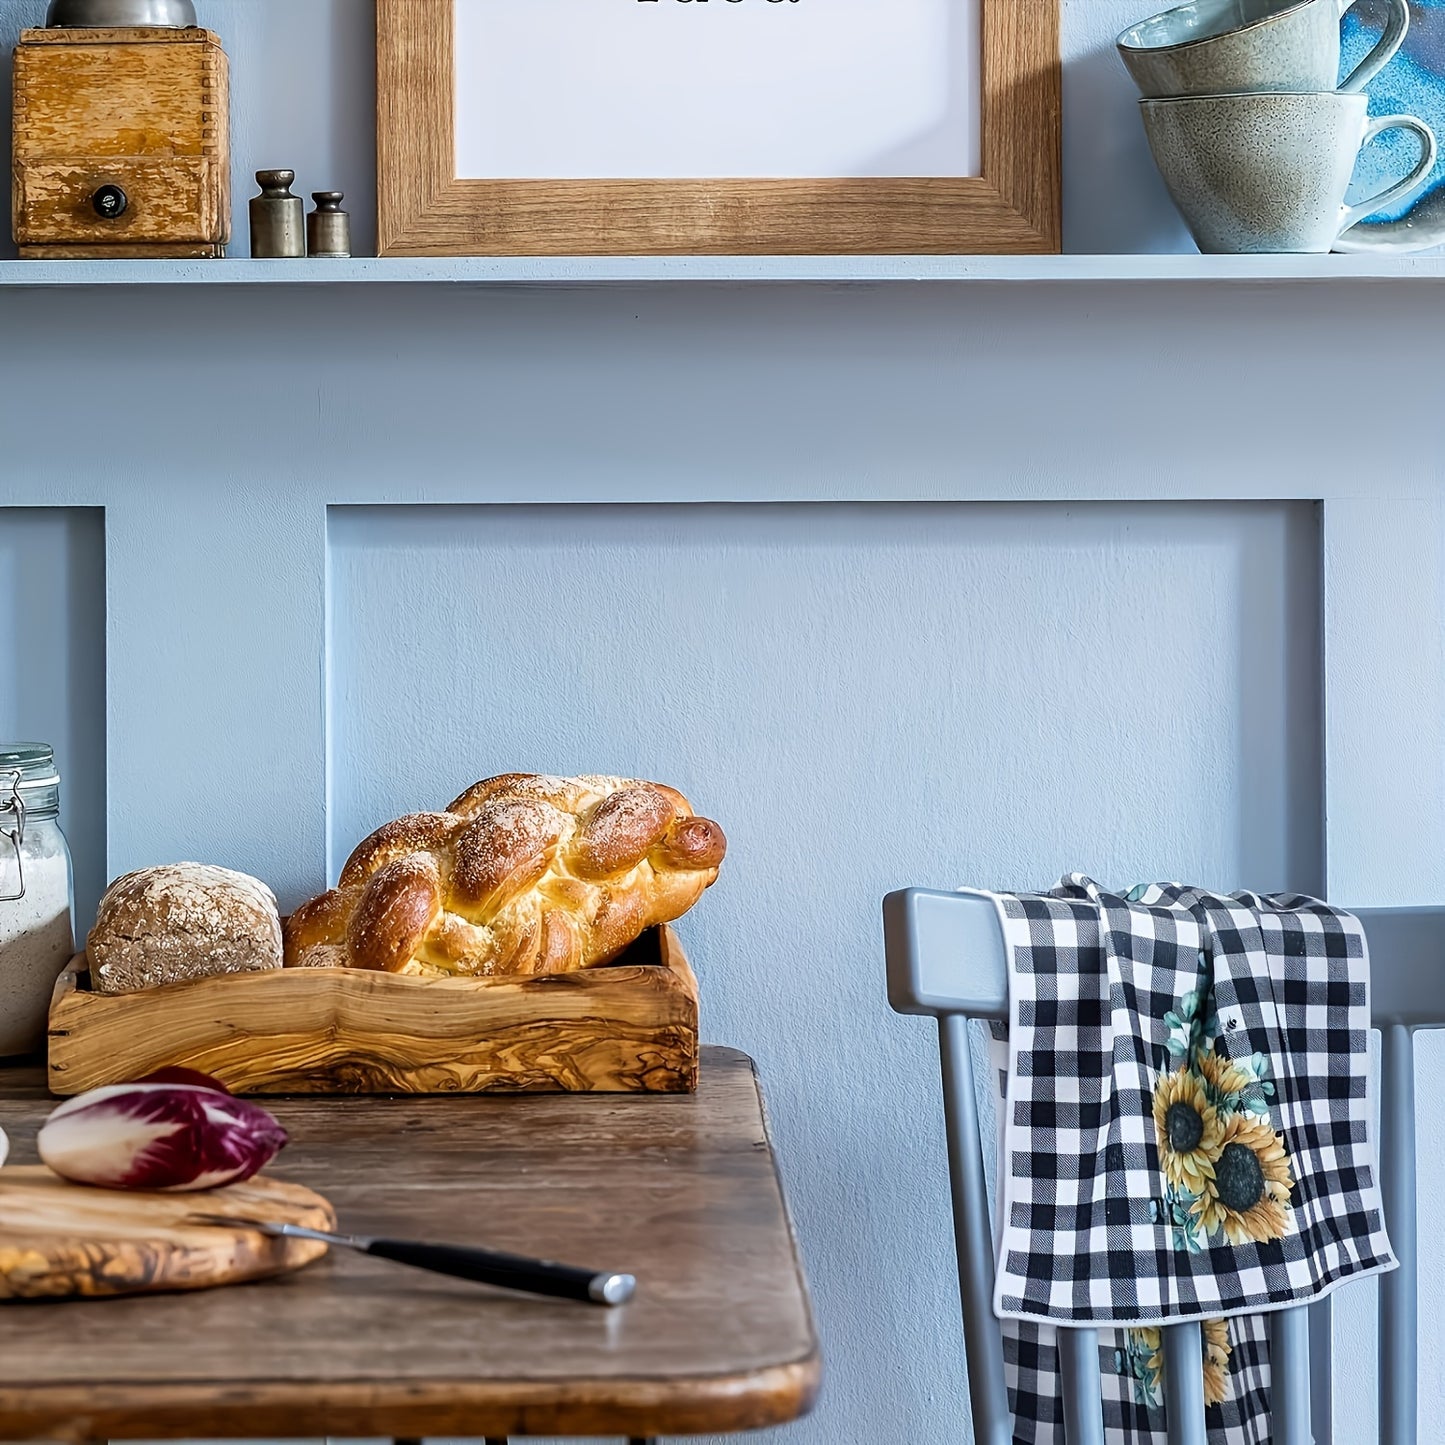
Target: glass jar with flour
[{"x": 36, "y": 894}]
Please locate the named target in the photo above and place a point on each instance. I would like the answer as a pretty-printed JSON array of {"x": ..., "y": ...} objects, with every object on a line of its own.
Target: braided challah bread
[{"x": 521, "y": 874}]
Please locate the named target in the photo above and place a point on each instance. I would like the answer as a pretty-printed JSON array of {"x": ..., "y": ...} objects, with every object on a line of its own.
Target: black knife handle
[{"x": 507, "y": 1271}]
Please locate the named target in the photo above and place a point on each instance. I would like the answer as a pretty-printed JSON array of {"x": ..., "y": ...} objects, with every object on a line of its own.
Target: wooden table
[{"x": 681, "y": 1190}]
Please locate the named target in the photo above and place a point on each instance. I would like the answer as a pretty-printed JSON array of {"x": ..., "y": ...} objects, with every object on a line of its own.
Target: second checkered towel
[{"x": 1185, "y": 1134}]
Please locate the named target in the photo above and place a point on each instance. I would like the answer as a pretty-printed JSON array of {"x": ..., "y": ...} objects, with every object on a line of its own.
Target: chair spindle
[
  {"x": 983, "y": 1341},
  {"x": 1184, "y": 1384},
  {"x": 1399, "y": 1339},
  {"x": 1081, "y": 1379},
  {"x": 1289, "y": 1376}
]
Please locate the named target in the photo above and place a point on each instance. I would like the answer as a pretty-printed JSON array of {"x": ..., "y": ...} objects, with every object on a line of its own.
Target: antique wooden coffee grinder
[{"x": 122, "y": 133}]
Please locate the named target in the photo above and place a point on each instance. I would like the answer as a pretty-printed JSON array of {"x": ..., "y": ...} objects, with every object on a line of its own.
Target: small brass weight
[
  {"x": 278, "y": 219},
  {"x": 328, "y": 227}
]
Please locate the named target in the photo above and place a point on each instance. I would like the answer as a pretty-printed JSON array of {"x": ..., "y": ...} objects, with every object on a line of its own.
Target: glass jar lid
[
  {"x": 35, "y": 762},
  {"x": 29, "y": 788}
]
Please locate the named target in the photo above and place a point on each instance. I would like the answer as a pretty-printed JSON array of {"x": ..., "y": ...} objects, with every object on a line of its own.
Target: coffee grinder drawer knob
[{"x": 110, "y": 202}]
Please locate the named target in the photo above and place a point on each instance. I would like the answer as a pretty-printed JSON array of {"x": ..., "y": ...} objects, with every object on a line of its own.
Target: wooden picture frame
[{"x": 425, "y": 209}]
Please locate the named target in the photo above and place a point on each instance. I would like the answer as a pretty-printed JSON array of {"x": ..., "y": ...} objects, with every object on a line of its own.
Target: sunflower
[
  {"x": 1216, "y": 1361},
  {"x": 1188, "y": 1131},
  {"x": 1147, "y": 1354},
  {"x": 1224, "y": 1080},
  {"x": 1247, "y": 1192}
]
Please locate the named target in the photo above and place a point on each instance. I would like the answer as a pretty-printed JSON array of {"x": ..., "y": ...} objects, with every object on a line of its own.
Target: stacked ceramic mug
[{"x": 1256, "y": 136}]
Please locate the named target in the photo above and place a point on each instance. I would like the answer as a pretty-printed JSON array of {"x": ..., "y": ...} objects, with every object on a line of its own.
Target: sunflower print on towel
[
  {"x": 1225, "y": 1170},
  {"x": 1142, "y": 1360}
]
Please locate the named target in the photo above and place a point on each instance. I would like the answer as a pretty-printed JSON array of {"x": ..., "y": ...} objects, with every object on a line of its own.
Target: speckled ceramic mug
[
  {"x": 1269, "y": 171},
  {"x": 1213, "y": 47}
]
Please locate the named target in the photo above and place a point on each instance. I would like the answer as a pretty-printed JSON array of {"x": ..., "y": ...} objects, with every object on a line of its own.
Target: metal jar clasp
[{"x": 16, "y": 835}]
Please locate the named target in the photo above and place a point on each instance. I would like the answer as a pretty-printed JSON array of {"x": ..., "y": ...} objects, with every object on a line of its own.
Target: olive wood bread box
[
  {"x": 122, "y": 144},
  {"x": 628, "y": 1027}
]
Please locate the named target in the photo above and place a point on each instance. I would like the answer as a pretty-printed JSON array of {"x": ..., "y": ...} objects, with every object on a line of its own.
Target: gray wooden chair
[{"x": 946, "y": 959}]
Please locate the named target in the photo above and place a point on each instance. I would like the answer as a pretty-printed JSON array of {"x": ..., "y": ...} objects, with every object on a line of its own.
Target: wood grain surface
[
  {"x": 181, "y": 251},
  {"x": 425, "y": 209},
  {"x": 629, "y": 1027},
  {"x": 145, "y": 109},
  {"x": 65, "y": 1241},
  {"x": 680, "y": 1189}
]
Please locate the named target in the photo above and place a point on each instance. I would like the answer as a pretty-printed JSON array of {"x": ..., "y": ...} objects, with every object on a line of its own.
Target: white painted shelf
[{"x": 722, "y": 270}]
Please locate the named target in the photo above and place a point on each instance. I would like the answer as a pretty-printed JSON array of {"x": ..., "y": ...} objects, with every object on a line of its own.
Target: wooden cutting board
[{"x": 68, "y": 1241}]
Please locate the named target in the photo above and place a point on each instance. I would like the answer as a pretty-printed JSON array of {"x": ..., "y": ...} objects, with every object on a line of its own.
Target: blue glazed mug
[{"x": 1214, "y": 47}]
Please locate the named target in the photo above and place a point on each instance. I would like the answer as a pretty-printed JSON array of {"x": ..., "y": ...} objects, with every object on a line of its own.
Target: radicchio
[{"x": 177, "y": 1131}]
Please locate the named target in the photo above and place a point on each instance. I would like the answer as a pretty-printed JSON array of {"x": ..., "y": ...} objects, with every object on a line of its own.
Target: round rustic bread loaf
[{"x": 183, "y": 921}]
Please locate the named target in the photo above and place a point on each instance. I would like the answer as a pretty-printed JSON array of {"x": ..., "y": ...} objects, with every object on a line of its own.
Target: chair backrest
[{"x": 946, "y": 958}]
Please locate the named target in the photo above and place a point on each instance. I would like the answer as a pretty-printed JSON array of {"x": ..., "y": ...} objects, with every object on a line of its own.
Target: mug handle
[
  {"x": 1396, "y": 28},
  {"x": 1423, "y": 167}
]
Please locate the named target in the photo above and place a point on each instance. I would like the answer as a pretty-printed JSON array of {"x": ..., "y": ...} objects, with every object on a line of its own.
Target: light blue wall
[
  {"x": 911, "y": 585},
  {"x": 52, "y": 664},
  {"x": 846, "y": 685}
]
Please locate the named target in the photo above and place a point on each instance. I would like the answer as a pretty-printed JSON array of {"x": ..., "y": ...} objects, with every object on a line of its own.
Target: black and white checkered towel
[{"x": 1185, "y": 1134}]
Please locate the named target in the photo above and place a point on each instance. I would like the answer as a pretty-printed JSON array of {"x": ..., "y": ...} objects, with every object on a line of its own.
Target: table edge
[{"x": 769, "y": 1396}]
